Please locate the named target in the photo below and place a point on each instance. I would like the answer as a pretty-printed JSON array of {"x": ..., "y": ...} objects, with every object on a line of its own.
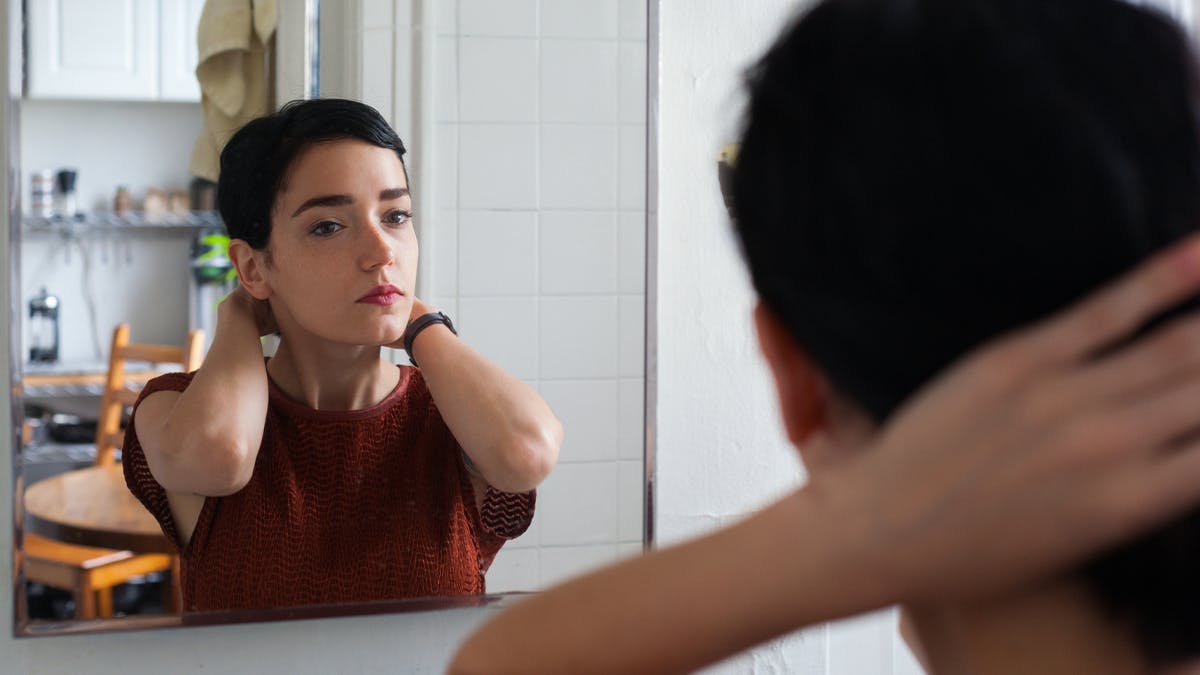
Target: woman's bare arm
[
  {"x": 204, "y": 440},
  {"x": 1021, "y": 460},
  {"x": 503, "y": 425}
]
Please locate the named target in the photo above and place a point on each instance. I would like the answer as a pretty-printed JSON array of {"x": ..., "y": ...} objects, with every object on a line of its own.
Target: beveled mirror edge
[
  {"x": 650, "y": 365},
  {"x": 232, "y": 617},
  {"x": 11, "y": 32},
  {"x": 24, "y": 627}
]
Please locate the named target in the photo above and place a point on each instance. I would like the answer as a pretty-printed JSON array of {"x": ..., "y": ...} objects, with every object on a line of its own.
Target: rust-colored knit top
[{"x": 343, "y": 506}]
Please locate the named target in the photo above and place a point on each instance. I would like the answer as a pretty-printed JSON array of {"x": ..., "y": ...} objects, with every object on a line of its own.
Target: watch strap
[{"x": 421, "y": 323}]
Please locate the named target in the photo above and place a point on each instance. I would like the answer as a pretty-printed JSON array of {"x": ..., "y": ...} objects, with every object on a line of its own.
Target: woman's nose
[{"x": 376, "y": 249}]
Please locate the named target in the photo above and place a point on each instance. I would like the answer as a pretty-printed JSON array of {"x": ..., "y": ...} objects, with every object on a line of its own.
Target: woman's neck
[
  {"x": 332, "y": 377},
  {"x": 1054, "y": 628}
]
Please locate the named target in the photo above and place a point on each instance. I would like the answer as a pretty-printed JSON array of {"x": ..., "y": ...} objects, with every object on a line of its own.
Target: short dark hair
[
  {"x": 917, "y": 176},
  {"x": 257, "y": 158}
]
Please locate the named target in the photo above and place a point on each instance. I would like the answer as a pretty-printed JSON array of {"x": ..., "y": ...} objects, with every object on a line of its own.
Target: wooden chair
[{"x": 90, "y": 573}]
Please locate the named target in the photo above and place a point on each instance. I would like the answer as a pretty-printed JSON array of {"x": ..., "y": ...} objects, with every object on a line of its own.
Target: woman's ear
[
  {"x": 249, "y": 264},
  {"x": 798, "y": 382}
]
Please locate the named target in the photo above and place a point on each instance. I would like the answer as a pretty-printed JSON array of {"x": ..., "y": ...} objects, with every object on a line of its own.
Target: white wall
[
  {"x": 140, "y": 279},
  {"x": 110, "y": 143},
  {"x": 540, "y": 175},
  {"x": 721, "y": 450}
]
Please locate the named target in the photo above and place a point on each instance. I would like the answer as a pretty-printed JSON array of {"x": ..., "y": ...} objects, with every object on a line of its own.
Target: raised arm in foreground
[{"x": 1025, "y": 457}]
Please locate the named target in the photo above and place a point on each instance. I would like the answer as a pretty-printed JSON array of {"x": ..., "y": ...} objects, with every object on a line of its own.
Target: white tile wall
[
  {"x": 514, "y": 569},
  {"x": 439, "y": 238},
  {"x": 579, "y": 336},
  {"x": 504, "y": 329},
  {"x": 586, "y": 409},
  {"x": 633, "y": 20},
  {"x": 631, "y": 423},
  {"x": 580, "y": 19},
  {"x": 405, "y": 11},
  {"x": 578, "y": 252},
  {"x": 379, "y": 13},
  {"x": 497, "y": 253},
  {"x": 579, "y": 166},
  {"x": 538, "y": 239},
  {"x": 446, "y": 78},
  {"x": 577, "y": 504},
  {"x": 632, "y": 82},
  {"x": 579, "y": 81},
  {"x": 375, "y": 69},
  {"x": 630, "y": 485},
  {"x": 559, "y": 563},
  {"x": 445, "y": 17},
  {"x": 632, "y": 183},
  {"x": 497, "y": 166},
  {"x": 497, "y": 79},
  {"x": 632, "y": 334},
  {"x": 632, "y": 255},
  {"x": 497, "y": 17},
  {"x": 630, "y": 549},
  {"x": 445, "y": 142}
]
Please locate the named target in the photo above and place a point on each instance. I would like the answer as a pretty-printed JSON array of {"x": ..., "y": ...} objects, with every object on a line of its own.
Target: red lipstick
[{"x": 386, "y": 294}]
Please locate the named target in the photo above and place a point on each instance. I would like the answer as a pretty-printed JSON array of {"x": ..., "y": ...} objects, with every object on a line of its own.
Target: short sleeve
[
  {"x": 507, "y": 515},
  {"x": 133, "y": 460}
]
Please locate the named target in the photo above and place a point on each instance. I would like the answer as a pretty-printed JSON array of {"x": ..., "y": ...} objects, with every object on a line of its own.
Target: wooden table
[{"x": 93, "y": 507}]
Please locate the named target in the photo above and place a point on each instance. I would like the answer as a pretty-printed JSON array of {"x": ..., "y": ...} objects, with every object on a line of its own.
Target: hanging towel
[{"x": 234, "y": 38}]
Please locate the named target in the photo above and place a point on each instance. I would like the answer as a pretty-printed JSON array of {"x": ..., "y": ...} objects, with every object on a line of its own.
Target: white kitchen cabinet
[
  {"x": 140, "y": 50},
  {"x": 178, "y": 20}
]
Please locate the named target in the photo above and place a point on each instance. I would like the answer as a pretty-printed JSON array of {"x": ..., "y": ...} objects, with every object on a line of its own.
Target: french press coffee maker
[{"x": 43, "y": 328}]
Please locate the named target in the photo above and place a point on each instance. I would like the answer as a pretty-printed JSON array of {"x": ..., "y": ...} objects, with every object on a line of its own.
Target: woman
[
  {"x": 917, "y": 180},
  {"x": 326, "y": 473}
]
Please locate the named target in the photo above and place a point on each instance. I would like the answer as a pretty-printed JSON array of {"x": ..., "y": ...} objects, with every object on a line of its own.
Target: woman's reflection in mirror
[
  {"x": 933, "y": 197},
  {"x": 325, "y": 473}
]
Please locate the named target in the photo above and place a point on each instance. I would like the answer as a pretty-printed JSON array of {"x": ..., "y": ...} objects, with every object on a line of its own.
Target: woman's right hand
[
  {"x": 242, "y": 303},
  {"x": 1039, "y": 449}
]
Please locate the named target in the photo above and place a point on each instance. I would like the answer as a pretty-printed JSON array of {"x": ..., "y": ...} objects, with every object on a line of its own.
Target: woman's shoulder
[
  {"x": 166, "y": 382},
  {"x": 411, "y": 384},
  {"x": 412, "y": 405}
]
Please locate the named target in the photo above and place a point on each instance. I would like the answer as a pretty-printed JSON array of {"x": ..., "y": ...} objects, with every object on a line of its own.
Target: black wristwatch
[{"x": 421, "y": 323}]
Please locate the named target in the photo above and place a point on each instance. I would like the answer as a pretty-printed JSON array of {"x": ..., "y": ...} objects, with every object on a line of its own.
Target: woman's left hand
[{"x": 418, "y": 308}]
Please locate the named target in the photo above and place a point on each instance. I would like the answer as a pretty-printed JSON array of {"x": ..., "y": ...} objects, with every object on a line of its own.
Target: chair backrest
[{"x": 118, "y": 396}]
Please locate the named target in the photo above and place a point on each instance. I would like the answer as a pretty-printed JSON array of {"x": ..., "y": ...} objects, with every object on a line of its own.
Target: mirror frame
[{"x": 13, "y": 26}]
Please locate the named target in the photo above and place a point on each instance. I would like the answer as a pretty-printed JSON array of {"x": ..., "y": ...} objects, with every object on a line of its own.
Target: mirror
[{"x": 526, "y": 124}]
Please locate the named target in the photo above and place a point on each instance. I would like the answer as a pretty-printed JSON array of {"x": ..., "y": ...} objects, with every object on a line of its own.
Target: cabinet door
[
  {"x": 178, "y": 21},
  {"x": 93, "y": 50}
]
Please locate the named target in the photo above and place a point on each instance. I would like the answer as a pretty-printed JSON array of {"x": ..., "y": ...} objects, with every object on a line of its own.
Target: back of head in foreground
[{"x": 918, "y": 176}]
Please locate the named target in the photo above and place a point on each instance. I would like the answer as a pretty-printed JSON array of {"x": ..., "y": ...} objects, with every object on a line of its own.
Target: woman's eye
[
  {"x": 325, "y": 228},
  {"x": 397, "y": 217}
]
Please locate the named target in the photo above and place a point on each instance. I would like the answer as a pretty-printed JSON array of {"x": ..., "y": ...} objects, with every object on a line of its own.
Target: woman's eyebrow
[
  {"x": 327, "y": 200},
  {"x": 342, "y": 200}
]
